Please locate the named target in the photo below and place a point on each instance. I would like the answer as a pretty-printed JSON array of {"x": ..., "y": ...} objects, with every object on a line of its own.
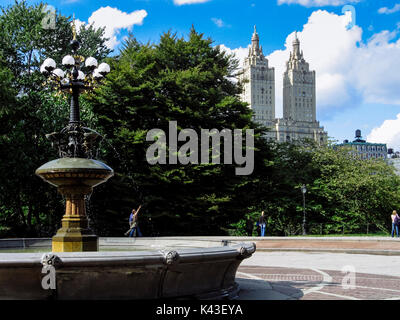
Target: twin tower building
[{"x": 299, "y": 104}]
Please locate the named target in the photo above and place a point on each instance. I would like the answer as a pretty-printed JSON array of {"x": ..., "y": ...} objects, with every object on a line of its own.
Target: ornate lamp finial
[{"x": 73, "y": 27}]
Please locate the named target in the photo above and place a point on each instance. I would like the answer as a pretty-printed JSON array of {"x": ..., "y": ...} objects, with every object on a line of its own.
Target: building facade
[
  {"x": 258, "y": 81},
  {"x": 299, "y": 95},
  {"x": 364, "y": 149}
]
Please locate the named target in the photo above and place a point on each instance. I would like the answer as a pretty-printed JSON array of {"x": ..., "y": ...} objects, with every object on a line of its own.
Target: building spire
[
  {"x": 255, "y": 42},
  {"x": 296, "y": 46}
]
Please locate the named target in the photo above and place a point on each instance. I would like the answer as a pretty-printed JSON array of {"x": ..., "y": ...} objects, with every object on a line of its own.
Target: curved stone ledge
[{"x": 192, "y": 273}]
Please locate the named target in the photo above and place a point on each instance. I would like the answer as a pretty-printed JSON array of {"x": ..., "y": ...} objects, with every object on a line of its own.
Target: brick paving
[{"x": 313, "y": 284}]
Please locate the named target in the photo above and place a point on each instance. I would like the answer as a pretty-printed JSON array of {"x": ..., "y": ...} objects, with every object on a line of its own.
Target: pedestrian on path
[
  {"x": 395, "y": 223},
  {"x": 134, "y": 224},
  {"x": 262, "y": 224}
]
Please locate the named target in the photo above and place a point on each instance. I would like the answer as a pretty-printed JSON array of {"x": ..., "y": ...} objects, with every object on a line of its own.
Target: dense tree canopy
[{"x": 187, "y": 81}]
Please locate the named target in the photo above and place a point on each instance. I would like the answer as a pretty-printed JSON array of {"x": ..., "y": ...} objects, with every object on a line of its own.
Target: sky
[{"x": 356, "y": 56}]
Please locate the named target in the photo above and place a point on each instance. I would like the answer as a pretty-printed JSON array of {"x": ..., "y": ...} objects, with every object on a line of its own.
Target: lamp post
[
  {"x": 303, "y": 191},
  {"x": 74, "y": 141}
]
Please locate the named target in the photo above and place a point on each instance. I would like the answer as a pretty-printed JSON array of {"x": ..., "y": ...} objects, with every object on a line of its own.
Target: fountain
[
  {"x": 123, "y": 268},
  {"x": 75, "y": 173}
]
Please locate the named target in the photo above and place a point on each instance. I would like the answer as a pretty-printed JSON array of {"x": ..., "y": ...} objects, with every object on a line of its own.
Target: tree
[
  {"x": 343, "y": 191},
  {"x": 354, "y": 192},
  {"x": 187, "y": 81}
]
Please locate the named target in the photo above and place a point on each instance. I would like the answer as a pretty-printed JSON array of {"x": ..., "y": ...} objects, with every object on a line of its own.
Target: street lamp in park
[
  {"x": 74, "y": 140},
  {"x": 303, "y": 191}
]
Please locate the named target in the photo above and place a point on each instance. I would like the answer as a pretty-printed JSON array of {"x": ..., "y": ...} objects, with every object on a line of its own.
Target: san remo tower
[
  {"x": 259, "y": 84},
  {"x": 299, "y": 95}
]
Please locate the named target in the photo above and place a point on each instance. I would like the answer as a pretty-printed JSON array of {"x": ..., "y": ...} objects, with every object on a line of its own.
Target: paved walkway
[
  {"x": 283, "y": 275},
  {"x": 369, "y": 245}
]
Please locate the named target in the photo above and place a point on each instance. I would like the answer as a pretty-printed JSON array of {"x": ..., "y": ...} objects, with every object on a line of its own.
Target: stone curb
[{"x": 350, "y": 251}]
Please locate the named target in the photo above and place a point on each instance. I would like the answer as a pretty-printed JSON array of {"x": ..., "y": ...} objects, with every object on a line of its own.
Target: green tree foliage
[
  {"x": 181, "y": 80},
  {"x": 353, "y": 192},
  {"x": 343, "y": 192}
]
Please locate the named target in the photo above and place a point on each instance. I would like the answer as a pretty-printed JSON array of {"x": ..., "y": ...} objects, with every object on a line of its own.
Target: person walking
[
  {"x": 262, "y": 224},
  {"x": 134, "y": 223},
  {"x": 395, "y": 223}
]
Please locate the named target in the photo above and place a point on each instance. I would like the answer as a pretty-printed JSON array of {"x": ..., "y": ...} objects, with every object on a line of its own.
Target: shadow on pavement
[{"x": 255, "y": 289}]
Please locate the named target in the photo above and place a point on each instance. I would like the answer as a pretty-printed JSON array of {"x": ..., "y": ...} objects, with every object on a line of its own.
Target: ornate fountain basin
[
  {"x": 184, "y": 268},
  {"x": 75, "y": 172}
]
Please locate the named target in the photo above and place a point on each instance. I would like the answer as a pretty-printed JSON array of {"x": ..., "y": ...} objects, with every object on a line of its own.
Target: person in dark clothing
[
  {"x": 249, "y": 226},
  {"x": 262, "y": 224}
]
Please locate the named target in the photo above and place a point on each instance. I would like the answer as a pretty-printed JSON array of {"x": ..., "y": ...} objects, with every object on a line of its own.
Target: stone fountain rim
[
  {"x": 73, "y": 165},
  {"x": 232, "y": 249},
  {"x": 172, "y": 272}
]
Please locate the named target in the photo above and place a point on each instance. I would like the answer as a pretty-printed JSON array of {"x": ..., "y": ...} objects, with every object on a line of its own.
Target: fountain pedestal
[
  {"x": 74, "y": 234},
  {"x": 75, "y": 178}
]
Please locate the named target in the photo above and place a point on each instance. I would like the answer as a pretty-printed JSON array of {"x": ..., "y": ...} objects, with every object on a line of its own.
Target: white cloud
[
  {"x": 218, "y": 22},
  {"x": 317, "y": 3},
  {"x": 386, "y": 10},
  {"x": 388, "y": 132},
  {"x": 182, "y": 2},
  {"x": 240, "y": 53},
  {"x": 114, "y": 20}
]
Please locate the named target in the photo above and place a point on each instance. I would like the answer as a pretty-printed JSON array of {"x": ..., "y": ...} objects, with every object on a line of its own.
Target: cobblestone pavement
[{"x": 258, "y": 281}]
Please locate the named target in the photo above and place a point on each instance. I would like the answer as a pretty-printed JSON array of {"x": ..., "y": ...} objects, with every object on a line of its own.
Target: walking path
[
  {"x": 309, "y": 269},
  {"x": 368, "y": 245}
]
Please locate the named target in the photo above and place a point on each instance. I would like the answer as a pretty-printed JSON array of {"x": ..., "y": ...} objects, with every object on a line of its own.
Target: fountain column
[{"x": 74, "y": 234}]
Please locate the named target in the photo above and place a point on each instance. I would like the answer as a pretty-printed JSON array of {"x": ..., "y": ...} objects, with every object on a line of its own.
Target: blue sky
[{"x": 358, "y": 74}]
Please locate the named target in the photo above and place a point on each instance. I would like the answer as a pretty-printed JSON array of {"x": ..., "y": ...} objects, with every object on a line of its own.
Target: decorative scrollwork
[
  {"x": 75, "y": 141},
  {"x": 50, "y": 259},
  {"x": 244, "y": 253},
  {"x": 171, "y": 257}
]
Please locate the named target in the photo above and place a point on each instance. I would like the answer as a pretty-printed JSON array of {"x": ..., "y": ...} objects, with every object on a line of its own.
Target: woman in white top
[{"x": 395, "y": 223}]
